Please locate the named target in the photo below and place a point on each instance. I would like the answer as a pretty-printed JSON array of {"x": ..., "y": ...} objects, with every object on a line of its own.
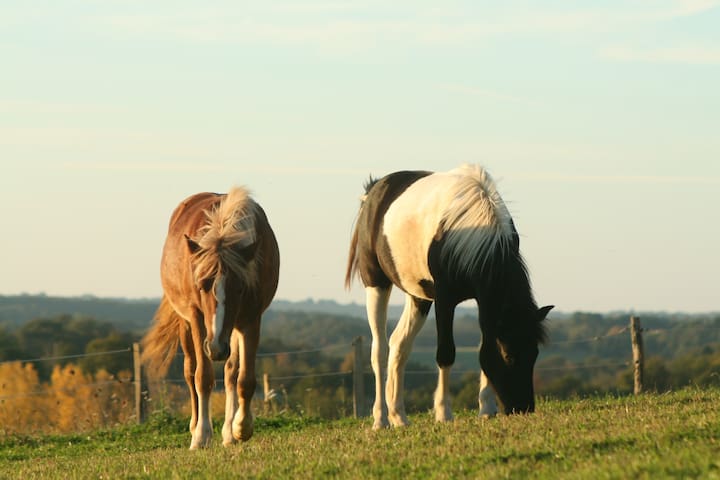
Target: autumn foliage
[{"x": 71, "y": 401}]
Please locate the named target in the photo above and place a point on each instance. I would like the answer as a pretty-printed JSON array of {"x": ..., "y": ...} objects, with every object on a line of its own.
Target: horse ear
[
  {"x": 543, "y": 311},
  {"x": 192, "y": 244}
]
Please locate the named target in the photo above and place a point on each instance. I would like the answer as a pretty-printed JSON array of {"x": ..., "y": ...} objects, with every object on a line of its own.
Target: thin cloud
[
  {"x": 692, "y": 7},
  {"x": 361, "y": 24},
  {"x": 195, "y": 167},
  {"x": 37, "y": 107},
  {"x": 688, "y": 55},
  {"x": 483, "y": 93},
  {"x": 357, "y": 25},
  {"x": 615, "y": 179},
  {"x": 134, "y": 167}
]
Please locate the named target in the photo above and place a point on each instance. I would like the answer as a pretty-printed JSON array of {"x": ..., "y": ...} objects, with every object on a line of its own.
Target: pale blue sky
[{"x": 600, "y": 121}]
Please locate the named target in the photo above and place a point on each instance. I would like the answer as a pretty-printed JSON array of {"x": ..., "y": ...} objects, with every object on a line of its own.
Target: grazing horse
[
  {"x": 445, "y": 238},
  {"x": 219, "y": 273}
]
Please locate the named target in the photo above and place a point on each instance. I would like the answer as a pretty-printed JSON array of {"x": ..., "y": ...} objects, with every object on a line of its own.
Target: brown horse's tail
[{"x": 160, "y": 343}]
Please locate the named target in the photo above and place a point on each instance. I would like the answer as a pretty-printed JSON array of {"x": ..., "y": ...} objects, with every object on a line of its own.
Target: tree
[
  {"x": 23, "y": 402},
  {"x": 113, "y": 363},
  {"x": 9, "y": 348}
]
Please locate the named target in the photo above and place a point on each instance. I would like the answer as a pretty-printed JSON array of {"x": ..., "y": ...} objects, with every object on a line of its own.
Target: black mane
[{"x": 371, "y": 181}]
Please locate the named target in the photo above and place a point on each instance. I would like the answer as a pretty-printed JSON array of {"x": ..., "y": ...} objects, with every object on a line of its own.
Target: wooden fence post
[
  {"x": 140, "y": 385},
  {"x": 266, "y": 393},
  {"x": 638, "y": 354},
  {"x": 358, "y": 381}
]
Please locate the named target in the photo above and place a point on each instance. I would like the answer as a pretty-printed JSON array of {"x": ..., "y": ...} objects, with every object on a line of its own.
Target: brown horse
[{"x": 219, "y": 273}]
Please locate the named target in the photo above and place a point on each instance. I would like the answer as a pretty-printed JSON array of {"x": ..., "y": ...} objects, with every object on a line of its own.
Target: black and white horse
[{"x": 445, "y": 238}]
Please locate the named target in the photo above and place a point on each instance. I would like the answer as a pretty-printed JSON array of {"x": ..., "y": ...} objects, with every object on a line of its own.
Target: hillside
[
  {"x": 312, "y": 323},
  {"x": 135, "y": 314}
]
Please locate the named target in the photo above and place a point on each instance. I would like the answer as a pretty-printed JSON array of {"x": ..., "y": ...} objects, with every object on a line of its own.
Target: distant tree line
[{"x": 587, "y": 354}]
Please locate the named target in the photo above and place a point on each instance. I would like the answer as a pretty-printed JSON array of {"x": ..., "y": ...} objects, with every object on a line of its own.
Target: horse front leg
[
  {"x": 204, "y": 380},
  {"x": 376, "y": 305},
  {"x": 441, "y": 399},
  {"x": 242, "y": 426},
  {"x": 231, "y": 392},
  {"x": 486, "y": 397},
  {"x": 444, "y": 315},
  {"x": 401, "y": 341},
  {"x": 189, "y": 366}
]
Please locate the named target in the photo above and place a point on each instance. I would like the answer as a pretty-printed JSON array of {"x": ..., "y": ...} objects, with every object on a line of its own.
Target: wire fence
[
  {"x": 342, "y": 373},
  {"x": 68, "y": 357},
  {"x": 345, "y": 348},
  {"x": 338, "y": 347}
]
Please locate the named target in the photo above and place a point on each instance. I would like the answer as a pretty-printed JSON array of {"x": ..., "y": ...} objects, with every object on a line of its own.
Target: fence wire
[
  {"x": 621, "y": 331},
  {"x": 68, "y": 357},
  {"x": 66, "y": 390}
]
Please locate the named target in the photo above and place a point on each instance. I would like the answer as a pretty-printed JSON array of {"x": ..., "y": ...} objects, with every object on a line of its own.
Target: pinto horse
[
  {"x": 219, "y": 273},
  {"x": 445, "y": 238}
]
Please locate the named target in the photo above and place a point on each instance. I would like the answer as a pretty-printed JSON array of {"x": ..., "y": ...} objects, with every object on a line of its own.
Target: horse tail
[
  {"x": 352, "y": 260},
  {"x": 353, "y": 255},
  {"x": 160, "y": 343}
]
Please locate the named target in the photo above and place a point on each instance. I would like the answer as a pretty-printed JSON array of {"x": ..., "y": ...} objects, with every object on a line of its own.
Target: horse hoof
[
  {"x": 227, "y": 436},
  {"x": 378, "y": 425},
  {"x": 243, "y": 431},
  {"x": 399, "y": 421},
  {"x": 443, "y": 413}
]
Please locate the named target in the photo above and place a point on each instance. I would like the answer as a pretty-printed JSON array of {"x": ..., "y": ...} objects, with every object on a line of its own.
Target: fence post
[
  {"x": 638, "y": 354},
  {"x": 358, "y": 381},
  {"x": 266, "y": 393},
  {"x": 140, "y": 385}
]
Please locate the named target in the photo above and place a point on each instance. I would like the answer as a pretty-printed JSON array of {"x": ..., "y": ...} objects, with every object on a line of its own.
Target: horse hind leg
[
  {"x": 231, "y": 393},
  {"x": 376, "y": 304},
  {"x": 243, "y": 422},
  {"x": 401, "y": 341}
]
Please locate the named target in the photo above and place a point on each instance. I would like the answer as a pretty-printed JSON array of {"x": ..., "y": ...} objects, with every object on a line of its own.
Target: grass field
[{"x": 673, "y": 435}]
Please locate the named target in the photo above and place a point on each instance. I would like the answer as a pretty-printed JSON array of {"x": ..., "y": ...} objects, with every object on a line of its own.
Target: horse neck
[{"x": 504, "y": 289}]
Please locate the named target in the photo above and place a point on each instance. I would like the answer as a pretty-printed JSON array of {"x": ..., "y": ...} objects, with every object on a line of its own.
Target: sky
[{"x": 600, "y": 122}]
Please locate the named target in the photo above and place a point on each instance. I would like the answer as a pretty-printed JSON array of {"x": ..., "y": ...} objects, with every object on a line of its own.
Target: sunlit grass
[{"x": 674, "y": 435}]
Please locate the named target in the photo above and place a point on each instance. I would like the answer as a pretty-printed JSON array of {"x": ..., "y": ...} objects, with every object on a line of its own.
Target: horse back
[
  {"x": 268, "y": 256},
  {"x": 368, "y": 246}
]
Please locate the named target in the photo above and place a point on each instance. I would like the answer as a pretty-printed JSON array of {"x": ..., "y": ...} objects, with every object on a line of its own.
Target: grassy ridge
[{"x": 674, "y": 435}]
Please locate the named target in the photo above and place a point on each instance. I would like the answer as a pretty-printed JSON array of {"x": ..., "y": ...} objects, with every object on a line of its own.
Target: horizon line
[{"x": 316, "y": 301}]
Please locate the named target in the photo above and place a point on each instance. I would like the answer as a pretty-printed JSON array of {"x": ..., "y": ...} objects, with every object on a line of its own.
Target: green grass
[{"x": 674, "y": 435}]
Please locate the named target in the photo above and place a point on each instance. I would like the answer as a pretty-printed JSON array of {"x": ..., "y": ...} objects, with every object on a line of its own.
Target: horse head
[
  {"x": 218, "y": 326},
  {"x": 507, "y": 356},
  {"x": 219, "y": 293}
]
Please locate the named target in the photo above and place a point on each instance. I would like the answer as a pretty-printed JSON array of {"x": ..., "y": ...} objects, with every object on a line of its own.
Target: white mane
[
  {"x": 476, "y": 222},
  {"x": 229, "y": 228}
]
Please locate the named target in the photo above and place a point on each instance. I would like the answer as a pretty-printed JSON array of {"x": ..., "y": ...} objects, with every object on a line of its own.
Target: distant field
[{"x": 673, "y": 435}]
